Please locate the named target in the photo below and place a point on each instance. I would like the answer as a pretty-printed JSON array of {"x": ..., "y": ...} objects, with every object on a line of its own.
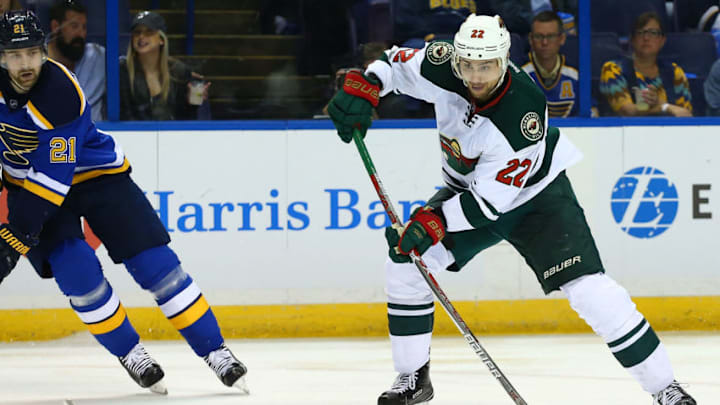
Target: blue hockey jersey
[
  {"x": 562, "y": 92},
  {"x": 50, "y": 143}
]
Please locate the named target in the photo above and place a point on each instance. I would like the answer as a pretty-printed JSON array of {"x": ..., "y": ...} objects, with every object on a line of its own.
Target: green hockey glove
[
  {"x": 392, "y": 235},
  {"x": 352, "y": 106}
]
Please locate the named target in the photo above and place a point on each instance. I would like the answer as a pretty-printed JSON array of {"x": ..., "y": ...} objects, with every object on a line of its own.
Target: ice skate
[
  {"x": 228, "y": 369},
  {"x": 673, "y": 395},
  {"x": 409, "y": 389},
  {"x": 144, "y": 370}
]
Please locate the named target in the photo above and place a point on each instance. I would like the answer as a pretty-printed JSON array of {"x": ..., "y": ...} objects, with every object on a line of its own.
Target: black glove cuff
[
  {"x": 16, "y": 240},
  {"x": 447, "y": 241}
]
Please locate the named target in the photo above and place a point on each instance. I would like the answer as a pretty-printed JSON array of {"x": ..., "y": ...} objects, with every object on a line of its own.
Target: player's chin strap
[{"x": 434, "y": 286}]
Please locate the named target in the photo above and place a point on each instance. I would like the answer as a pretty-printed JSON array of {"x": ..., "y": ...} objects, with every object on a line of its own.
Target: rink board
[{"x": 282, "y": 229}]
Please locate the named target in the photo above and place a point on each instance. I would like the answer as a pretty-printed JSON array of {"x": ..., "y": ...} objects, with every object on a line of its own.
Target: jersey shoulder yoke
[
  {"x": 436, "y": 67},
  {"x": 57, "y": 98},
  {"x": 520, "y": 114}
]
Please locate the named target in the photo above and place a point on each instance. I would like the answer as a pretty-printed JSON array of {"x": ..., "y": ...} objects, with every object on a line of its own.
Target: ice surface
[{"x": 546, "y": 370}]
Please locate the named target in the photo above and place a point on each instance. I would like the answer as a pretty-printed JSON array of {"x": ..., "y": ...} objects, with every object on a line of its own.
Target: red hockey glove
[
  {"x": 426, "y": 228},
  {"x": 352, "y": 106}
]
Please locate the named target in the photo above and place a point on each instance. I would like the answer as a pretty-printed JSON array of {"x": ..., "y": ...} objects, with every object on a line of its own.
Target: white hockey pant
[
  {"x": 411, "y": 310},
  {"x": 608, "y": 309}
]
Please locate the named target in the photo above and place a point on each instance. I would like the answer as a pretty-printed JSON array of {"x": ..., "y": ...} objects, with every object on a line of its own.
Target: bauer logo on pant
[{"x": 561, "y": 266}]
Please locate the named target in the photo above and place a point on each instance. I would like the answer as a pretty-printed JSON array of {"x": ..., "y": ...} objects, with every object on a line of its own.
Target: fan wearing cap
[
  {"x": 57, "y": 168},
  {"x": 504, "y": 171},
  {"x": 154, "y": 86}
]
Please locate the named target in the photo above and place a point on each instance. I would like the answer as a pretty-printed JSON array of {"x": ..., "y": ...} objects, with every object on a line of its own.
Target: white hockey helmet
[{"x": 481, "y": 37}]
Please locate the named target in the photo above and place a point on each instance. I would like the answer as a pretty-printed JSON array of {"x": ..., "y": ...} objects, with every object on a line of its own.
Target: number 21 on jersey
[
  {"x": 514, "y": 173},
  {"x": 62, "y": 150}
]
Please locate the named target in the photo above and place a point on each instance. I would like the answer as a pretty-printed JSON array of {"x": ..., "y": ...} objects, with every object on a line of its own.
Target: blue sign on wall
[{"x": 644, "y": 202}]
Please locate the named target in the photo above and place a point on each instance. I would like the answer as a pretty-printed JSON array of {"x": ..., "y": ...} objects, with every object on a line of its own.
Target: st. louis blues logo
[{"x": 17, "y": 141}]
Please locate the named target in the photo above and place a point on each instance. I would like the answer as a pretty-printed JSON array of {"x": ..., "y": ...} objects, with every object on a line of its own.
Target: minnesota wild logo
[
  {"x": 17, "y": 141},
  {"x": 452, "y": 153}
]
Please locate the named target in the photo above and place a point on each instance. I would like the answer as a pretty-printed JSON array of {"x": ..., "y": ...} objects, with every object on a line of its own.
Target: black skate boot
[
  {"x": 228, "y": 369},
  {"x": 409, "y": 389},
  {"x": 673, "y": 395},
  {"x": 144, "y": 370}
]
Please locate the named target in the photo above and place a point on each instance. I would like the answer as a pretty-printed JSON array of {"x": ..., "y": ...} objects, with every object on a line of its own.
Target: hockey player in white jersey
[{"x": 504, "y": 170}]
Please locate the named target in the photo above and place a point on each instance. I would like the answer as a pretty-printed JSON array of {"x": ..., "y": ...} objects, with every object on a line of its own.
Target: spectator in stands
[
  {"x": 712, "y": 90},
  {"x": 642, "y": 84},
  {"x": 9, "y": 5},
  {"x": 68, "y": 24},
  {"x": 154, "y": 86},
  {"x": 547, "y": 66},
  {"x": 422, "y": 18},
  {"x": 518, "y": 14}
]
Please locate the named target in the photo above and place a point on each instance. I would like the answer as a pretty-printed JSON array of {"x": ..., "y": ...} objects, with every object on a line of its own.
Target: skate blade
[
  {"x": 158, "y": 388},
  {"x": 241, "y": 384}
]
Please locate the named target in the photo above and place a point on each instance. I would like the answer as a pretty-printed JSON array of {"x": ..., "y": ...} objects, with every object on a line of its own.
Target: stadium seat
[
  {"x": 698, "y": 96},
  {"x": 618, "y": 15},
  {"x": 693, "y": 51},
  {"x": 605, "y": 46},
  {"x": 519, "y": 48}
]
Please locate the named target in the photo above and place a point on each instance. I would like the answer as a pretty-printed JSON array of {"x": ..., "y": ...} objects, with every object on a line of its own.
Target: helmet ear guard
[{"x": 481, "y": 37}]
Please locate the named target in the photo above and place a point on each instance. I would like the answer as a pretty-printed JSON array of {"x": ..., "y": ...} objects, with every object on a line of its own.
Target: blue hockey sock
[
  {"x": 188, "y": 311},
  {"x": 105, "y": 318},
  {"x": 78, "y": 273},
  {"x": 158, "y": 270}
]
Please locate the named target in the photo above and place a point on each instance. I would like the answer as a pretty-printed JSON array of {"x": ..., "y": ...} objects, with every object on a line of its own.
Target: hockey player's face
[
  {"x": 481, "y": 76},
  {"x": 24, "y": 65}
]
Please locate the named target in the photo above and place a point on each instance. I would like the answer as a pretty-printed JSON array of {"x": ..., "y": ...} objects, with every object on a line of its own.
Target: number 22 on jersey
[
  {"x": 404, "y": 54},
  {"x": 514, "y": 173}
]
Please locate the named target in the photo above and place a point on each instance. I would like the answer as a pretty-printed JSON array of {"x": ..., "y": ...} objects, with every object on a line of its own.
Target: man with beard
[
  {"x": 68, "y": 23},
  {"x": 504, "y": 171}
]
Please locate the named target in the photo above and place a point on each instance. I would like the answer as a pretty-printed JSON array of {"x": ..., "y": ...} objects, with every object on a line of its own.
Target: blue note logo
[{"x": 644, "y": 202}]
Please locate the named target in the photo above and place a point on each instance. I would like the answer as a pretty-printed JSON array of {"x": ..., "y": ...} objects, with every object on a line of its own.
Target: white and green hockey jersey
[{"x": 496, "y": 156}]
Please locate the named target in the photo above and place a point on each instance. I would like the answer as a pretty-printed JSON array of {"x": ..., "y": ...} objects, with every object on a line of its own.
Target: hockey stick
[{"x": 434, "y": 286}]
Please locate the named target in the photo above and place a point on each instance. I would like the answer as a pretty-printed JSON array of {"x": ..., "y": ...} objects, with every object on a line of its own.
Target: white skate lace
[
  {"x": 404, "y": 382},
  {"x": 670, "y": 395},
  {"x": 220, "y": 360},
  {"x": 137, "y": 360}
]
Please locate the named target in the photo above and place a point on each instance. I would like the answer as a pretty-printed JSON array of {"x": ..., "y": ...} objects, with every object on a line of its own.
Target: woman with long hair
[{"x": 154, "y": 86}]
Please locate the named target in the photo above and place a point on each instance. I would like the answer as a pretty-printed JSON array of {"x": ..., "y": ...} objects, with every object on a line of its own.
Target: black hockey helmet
[{"x": 20, "y": 29}]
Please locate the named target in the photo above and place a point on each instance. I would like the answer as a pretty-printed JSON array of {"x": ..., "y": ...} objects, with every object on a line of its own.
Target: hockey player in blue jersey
[{"x": 58, "y": 167}]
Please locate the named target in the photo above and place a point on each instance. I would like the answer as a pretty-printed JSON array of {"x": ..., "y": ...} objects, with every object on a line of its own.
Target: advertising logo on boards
[{"x": 644, "y": 202}]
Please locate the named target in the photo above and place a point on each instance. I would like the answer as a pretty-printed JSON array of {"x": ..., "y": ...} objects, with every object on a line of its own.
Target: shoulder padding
[
  {"x": 57, "y": 97},
  {"x": 436, "y": 67},
  {"x": 520, "y": 115}
]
